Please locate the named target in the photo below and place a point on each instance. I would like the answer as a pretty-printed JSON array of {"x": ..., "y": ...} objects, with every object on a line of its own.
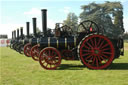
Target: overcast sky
[{"x": 15, "y": 13}]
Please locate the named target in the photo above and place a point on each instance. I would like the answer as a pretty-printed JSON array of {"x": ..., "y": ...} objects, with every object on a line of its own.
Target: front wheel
[
  {"x": 35, "y": 52},
  {"x": 27, "y": 49},
  {"x": 50, "y": 58}
]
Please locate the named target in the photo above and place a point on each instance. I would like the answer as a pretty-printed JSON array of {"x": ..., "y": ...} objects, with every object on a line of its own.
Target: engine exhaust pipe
[
  {"x": 21, "y": 31},
  {"x": 34, "y": 26},
  {"x": 17, "y": 33},
  {"x": 44, "y": 21},
  {"x": 14, "y": 34},
  {"x": 27, "y": 26}
]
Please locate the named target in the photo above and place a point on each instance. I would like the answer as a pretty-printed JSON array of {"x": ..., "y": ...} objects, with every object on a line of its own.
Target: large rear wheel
[{"x": 96, "y": 51}]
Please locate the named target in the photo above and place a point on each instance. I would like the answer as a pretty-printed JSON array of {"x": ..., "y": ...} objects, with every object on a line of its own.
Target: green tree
[
  {"x": 38, "y": 30},
  {"x": 109, "y": 15},
  {"x": 72, "y": 21},
  {"x": 125, "y": 36}
]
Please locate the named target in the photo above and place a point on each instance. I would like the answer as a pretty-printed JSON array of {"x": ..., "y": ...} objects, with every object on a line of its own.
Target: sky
[{"x": 15, "y": 13}]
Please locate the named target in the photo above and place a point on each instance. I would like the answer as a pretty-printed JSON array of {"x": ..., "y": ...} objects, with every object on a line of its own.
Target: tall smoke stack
[
  {"x": 14, "y": 34},
  {"x": 17, "y": 33},
  {"x": 34, "y": 26},
  {"x": 44, "y": 21},
  {"x": 21, "y": 31},
  {"x": 27, "y": 26}
]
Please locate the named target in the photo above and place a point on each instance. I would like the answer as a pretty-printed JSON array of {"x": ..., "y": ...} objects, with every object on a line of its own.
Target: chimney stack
[
  {"x": 44, "y": 21},
  {"x": 34, "y": 26},
  {"x": 27, "y": 26}
]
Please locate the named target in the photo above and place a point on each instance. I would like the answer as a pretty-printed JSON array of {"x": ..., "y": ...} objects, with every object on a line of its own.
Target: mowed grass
[{"x": 17, "y": 69}]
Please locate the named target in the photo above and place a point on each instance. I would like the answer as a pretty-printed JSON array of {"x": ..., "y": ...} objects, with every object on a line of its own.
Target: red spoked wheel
[
  {"x": 50, "y": 58},
  {"x": 35, "y": 52},
  {"x": 96, "y": 52},
  {"x": 27, "y": 49},
  {"x": 67, "y": 55}
]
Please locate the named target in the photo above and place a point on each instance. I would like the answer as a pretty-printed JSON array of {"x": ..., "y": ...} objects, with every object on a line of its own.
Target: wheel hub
[{"x": 96, "y": 51}]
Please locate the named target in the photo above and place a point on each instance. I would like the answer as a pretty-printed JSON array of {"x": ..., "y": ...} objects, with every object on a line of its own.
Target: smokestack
[
  {"x": 17, "y": 33},
  {"x": 27, "y": 26},
  {"x": 44, "y": 21},
  {"x": 14, "y": 34},
  {"x": 34, "y": 26},
  {"x": 21, "y": 31}
]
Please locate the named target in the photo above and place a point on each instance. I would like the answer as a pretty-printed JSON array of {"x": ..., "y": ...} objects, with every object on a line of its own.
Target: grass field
[{"x": 16, "y": 69}]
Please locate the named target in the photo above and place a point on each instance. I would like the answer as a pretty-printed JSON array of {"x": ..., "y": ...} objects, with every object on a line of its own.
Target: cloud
[
  {"x": 34, "y": 12},
  {"x": 65, "y": 10}
]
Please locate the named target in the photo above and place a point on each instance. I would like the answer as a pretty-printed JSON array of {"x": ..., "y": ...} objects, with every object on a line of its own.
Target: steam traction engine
[
  {"x": 88, "y": 44},
  {"x": 95, "y": 50}
]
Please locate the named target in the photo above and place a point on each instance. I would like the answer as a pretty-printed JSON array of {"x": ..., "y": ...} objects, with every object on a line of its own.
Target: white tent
[{"x": 4, "y": 42}]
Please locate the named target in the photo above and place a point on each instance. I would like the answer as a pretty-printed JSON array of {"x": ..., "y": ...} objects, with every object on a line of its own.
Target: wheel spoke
[
  {"x": 99, "y": 59},
  {"x": 102, "y": 58},
  {"x": 106, "y": 53},
  {"x": 97, "y": 63},
  {"x": 49, "y": 52},
  {"x": 89, "y": 44},
  {"x": 90, "y": 60},
  {"x": 104, "y": 46},
  {"x": 86, "y": 54},
  {"x": 86, "y": 47},
  {"x": 93, "y": 60},
  {"x": 92, "y": 42},
  {"x": 105, "y": 49},
  {"x": 88, "y": 57},
  {"x": 99, "y": 42},
  {"x": 95, "y": 42},
  {"x": 87, "y": 51}
]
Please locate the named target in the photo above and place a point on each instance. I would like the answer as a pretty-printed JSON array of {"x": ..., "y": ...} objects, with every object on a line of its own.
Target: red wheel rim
[
  {"x": 50, "y": 58},
  {"x": 67, "y": 55},
  {"x": 35, "y": 52},
  {"x": 96, "y": 52},
  {"x": 27, "y": 49}
]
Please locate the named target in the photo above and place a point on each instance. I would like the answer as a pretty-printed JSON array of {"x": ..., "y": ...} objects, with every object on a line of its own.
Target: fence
[{"x": 4, "y": 42}]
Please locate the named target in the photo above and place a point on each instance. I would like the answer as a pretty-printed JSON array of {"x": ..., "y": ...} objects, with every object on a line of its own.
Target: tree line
[{"x": 108, "y": 15}]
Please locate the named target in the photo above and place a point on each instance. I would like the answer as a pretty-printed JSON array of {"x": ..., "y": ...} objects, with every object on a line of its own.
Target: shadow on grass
[
  {"x": 114, "y": 66},
  {"x": 119, "y": 66},
  {"x": 71, "y": 67}
]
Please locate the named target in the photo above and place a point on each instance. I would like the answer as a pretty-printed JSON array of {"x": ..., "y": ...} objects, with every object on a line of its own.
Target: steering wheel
[{"x": 89, "y": 27}]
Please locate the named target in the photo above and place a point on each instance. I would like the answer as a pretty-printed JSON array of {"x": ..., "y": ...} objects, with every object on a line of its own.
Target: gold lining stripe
[
  {"x": 23, "y": 41},
  {"x": 75, "y": 41},
  {"x": 48, "y": 41},
  {"x": 65, "y": 42},
  {"x": 37, "y": 40},
  {"x": 57, "y": 42},
  {"x": 30, "y": 40}
]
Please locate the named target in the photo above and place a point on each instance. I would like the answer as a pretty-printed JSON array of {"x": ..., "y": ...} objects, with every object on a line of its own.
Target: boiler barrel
[{"x": 65, "y": 43}]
